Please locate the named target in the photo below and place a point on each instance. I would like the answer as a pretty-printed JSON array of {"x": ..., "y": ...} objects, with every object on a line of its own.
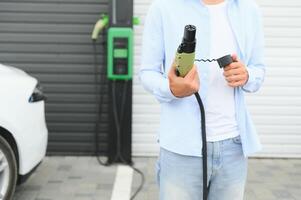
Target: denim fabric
[{"x": 180, "y": 177}]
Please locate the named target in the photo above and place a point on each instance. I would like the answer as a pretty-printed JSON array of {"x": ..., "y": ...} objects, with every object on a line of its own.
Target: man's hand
[
  {"x": 236, "y": 73},
  {"x": 183, "y": 87}
]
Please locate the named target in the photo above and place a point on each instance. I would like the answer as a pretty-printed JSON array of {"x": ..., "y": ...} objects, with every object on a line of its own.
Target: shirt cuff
[
  {"x": 250, "y": 82},
  {"x": 165, "y": 89}
]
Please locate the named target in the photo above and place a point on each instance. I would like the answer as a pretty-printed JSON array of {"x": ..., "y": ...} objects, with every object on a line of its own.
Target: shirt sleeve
[
  {"x": 151, "y": 75},
  {"x": 256, "y": 66}
]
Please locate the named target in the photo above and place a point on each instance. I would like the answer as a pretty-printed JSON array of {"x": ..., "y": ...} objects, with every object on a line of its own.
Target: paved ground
[{"x": 81, "y": 178}]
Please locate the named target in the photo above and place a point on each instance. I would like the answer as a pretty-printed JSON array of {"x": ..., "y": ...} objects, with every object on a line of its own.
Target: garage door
[
  {"x": 276, "y": 109},
  {"x": 50, "y": 39}
]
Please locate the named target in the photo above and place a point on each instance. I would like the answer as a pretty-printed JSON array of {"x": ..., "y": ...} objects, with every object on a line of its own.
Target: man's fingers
[
  {"x": 233, "y": 65},
  {"x": 234, "y": 78},
  {"x": 236, "y": 84},
  {"x": 232, "y": 72}
]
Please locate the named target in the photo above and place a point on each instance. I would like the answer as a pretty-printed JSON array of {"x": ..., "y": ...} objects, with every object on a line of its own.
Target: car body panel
[{"x": 24, "y": 120}]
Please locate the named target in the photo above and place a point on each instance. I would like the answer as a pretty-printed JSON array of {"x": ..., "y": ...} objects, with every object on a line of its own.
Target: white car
[{"x": 23, "y": 130}]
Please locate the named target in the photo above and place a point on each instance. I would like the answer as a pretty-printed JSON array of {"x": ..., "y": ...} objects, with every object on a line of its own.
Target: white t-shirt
[{"x": 220, "y": 108}]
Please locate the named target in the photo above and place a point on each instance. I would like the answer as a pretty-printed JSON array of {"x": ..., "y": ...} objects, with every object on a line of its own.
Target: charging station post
[
  {"x": 119, "y": 71},
  {"x": 119, "y": 74}
]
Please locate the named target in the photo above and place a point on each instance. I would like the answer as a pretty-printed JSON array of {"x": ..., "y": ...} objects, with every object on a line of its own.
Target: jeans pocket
[{"x": 237, "y": 140}]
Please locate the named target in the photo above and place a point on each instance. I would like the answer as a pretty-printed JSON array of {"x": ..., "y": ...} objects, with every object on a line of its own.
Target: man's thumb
[
  {"x": 234, "y": 57},
  {"x": 191, "y": 74}
]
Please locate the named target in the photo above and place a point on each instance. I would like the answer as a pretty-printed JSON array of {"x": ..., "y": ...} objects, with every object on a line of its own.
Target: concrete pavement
[{"x": 81, "y": 178}]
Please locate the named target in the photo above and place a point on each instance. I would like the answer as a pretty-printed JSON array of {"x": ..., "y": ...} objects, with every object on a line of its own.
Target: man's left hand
[{"x": 236, "y": 73}]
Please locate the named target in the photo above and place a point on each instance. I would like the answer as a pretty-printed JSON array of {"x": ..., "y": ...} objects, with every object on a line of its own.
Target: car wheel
[{"x": 8, "y": 170}]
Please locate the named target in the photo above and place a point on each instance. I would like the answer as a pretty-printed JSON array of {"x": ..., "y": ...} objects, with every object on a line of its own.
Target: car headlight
[{"x": 37, "y": 94}]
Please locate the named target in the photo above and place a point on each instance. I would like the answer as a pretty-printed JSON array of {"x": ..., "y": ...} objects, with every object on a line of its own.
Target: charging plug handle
[
  {"x": 225, "y": 61},
  {"x": 99, "y": 26}
]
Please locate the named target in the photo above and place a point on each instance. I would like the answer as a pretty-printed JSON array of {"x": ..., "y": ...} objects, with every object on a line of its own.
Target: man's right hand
[{"x": 183, "y": 87}]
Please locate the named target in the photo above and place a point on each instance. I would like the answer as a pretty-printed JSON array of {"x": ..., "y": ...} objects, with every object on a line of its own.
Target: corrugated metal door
[
  {"x": 146, "y": 110},
  {"x": 50, "y": 39},
  {"x": 276, "y": 109}
]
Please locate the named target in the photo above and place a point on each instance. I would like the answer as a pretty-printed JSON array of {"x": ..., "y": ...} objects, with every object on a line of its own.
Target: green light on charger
[{"x": 120, "y": 53}]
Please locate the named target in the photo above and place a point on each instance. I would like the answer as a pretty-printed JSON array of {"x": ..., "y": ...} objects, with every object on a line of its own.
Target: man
[{"x": 223, "y": 27}]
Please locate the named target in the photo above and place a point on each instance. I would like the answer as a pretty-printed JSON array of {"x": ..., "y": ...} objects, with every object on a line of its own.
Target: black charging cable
[
  {"x": 204, "y": 146},
  {"x": 118, "y": 122},
  {"x": 205, "y": 60},
  {"x": 118, "y": 125},
  {"x": 222, "y": 62},
  {"x": 99, "y": 101}
]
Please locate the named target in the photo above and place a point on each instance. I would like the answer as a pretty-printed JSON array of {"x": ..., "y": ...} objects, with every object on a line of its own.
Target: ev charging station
[{"x": 119, "y": 68}]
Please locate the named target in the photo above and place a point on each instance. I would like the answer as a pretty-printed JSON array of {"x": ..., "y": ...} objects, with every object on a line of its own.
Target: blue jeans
[{"x": 180, "y": 177}]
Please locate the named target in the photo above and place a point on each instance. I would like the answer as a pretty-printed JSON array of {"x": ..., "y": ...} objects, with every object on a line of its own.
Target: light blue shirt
[{"x": 180, "y": 127}]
